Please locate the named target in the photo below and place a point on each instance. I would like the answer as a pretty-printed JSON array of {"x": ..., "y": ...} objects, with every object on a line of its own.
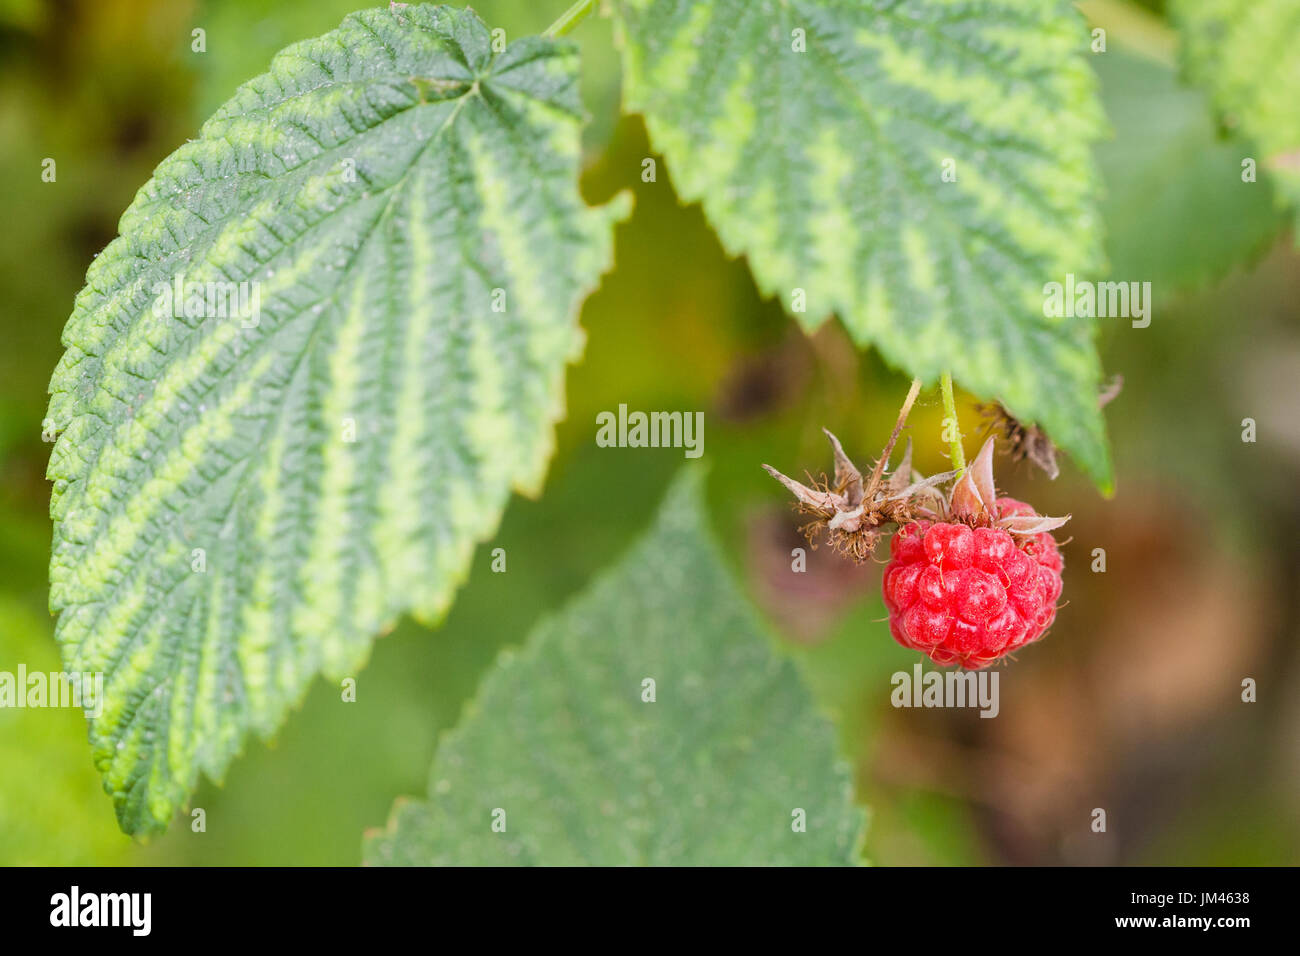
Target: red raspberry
[{"x": 969, "y": 596}]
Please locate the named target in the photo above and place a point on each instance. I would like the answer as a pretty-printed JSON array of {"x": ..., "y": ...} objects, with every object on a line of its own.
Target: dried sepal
[
  {"x": 849, "y": 530},
  {"x": 974, "y": 501},
  {"x": 898, "y": 481},
  {"x": 1029, "y": 525},
  {"x": 923, "y": 485},
  {"x": 848, "y": 480},
  {"x": 1111, "y": 391},
  {"x": 811, "y": 500},
  {"x": 1030, "y": 442},
  {"x": 855, "y": 513},
  {"x": 1022, "y": 441},
  {"x": 974, "y": 496}
]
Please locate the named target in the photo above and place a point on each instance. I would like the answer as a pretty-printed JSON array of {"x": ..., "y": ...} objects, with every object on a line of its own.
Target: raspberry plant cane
[{"x": 972, "y": 577}]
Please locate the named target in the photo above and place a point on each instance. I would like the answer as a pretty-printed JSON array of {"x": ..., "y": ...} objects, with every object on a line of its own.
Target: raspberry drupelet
[{"x": 969, "y": 596}]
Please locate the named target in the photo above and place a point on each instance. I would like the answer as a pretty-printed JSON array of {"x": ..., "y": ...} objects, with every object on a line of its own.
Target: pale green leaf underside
[
  {"x": 338, "y": 461},
  {"x": 587, "y": 772},
  {"x": 824, "y": 168},
  {"x": 1247, "y": 54}
]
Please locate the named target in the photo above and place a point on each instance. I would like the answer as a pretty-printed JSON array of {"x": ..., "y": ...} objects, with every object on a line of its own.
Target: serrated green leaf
[
  {"x": 825, "y": 167},
  {"x": 587, "y": 771},
  {"x": 1247, "y": 54},
  {"x": 338, "y": 459}
]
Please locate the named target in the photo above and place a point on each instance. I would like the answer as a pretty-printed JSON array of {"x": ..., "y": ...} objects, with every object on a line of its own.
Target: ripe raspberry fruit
[
  {"x": 968, "y": 596},
  {"x": 972, "y": 577},
  {"x": 976, "y": 579}
]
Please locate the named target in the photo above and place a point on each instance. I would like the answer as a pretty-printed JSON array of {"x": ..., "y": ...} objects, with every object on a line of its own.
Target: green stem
[
  {"x": 570, "y": 18},
  {"x": 950, "y": 415}
]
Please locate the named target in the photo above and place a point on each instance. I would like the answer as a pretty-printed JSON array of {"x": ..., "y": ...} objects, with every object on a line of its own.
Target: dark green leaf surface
[
  {"x": 338, "y": 460},
  {"x": 587, "y": 772},
  {"x": 824, "y": 167},
  {"x": 1247, "y": 54}
]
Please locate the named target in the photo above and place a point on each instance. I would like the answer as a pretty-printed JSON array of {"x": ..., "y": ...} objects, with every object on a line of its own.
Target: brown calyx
[{"x": 856, "y": 512}]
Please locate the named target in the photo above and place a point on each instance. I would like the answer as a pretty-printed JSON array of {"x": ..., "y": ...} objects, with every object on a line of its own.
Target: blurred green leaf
[
  {"x": 1177, "y": 213},
  {"x": 815, "y": 133},
  {"x": 1247, "y": 54},
  {"x": 337, "y": 459},
  {"x": 23, "y": 14},
  {"x": 243, "y": 35},
  {"x": 51, "y": 806},
  {"x": 586, "y": 770},
  {"x": 917, "y": 828}
]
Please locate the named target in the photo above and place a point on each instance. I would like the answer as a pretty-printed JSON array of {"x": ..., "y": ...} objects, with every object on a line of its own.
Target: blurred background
[{"x": 1133, "y": 702}]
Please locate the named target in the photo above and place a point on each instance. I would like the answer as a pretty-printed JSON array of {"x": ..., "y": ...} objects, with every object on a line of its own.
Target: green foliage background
[
  {"x": 1133, "y": 702},
  {"x": 593, "y": 771}
]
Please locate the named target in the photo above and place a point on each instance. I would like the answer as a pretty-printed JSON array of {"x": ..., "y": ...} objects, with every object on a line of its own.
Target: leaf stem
[
  {"x": 570, "y": 18},
  {"x": 950, "y": 420}
]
